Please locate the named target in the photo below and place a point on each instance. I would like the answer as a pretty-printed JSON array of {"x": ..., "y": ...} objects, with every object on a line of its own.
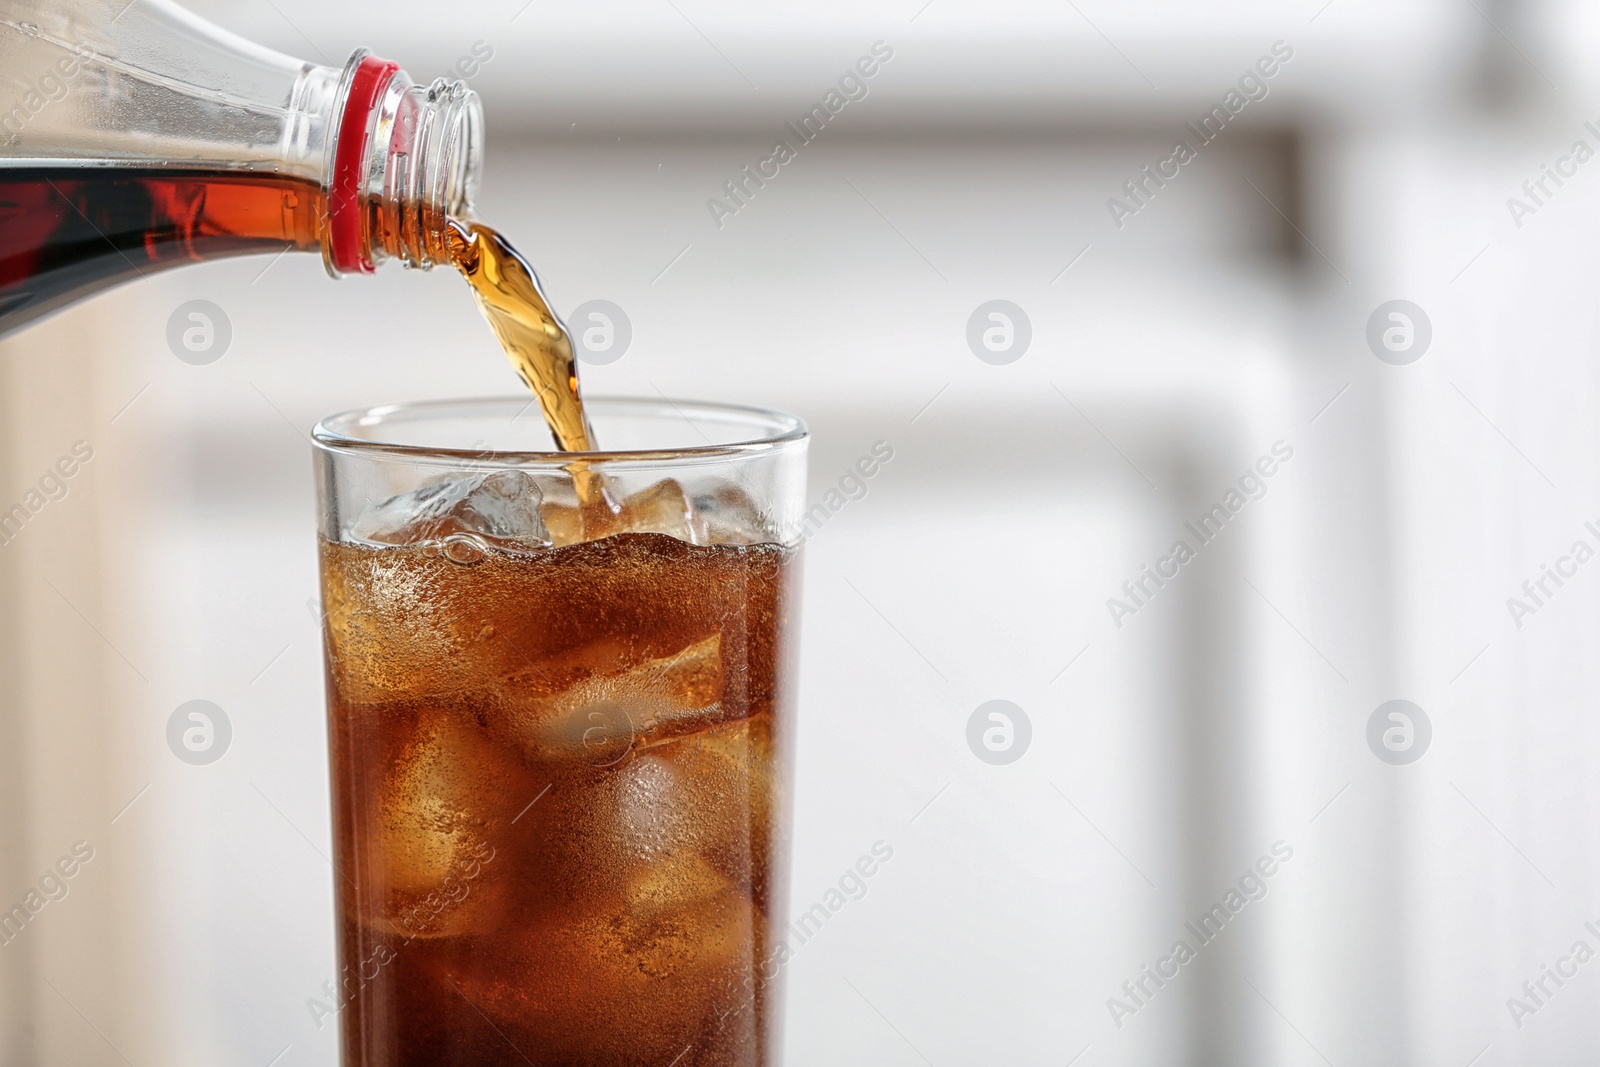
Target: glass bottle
[{"x": 135, "y": 136}]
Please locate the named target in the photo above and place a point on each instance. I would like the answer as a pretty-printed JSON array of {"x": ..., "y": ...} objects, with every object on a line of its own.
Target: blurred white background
[{"x": 1169, "y": 754}]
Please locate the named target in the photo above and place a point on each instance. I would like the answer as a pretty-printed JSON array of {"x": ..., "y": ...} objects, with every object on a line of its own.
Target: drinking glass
[{"x": 560, "y": 702}]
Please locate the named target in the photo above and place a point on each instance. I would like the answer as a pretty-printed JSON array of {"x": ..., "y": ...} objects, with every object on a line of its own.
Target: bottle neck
[{"x": 405, "y": 160}]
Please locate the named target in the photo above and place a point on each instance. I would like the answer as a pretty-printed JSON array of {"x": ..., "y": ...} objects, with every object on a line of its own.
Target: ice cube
[
  {"x": 710, "y": 794},
  {"x": 662, "y": 508},
  {"x": 607, "y": 717},
  {"x": 679, "y": 913},
  {"x": 383, "y": 629},
  {"x": 727, "y": 796},
  {"x": 661, "y": 959},
  {"x": 731, "y": 516},
  {"x": 499, "y": 509},
  {"x": 396, "y": 625},
  {"x": 636, "y": 921},
  {"x": 564, "y": 523},
  {"x": 445, "y": 797}
]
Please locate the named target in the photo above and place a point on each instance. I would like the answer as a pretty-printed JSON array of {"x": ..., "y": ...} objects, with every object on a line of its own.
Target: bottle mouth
[
  {"x": 407, "y": 158},
  {"x": 438, "y": 176}
]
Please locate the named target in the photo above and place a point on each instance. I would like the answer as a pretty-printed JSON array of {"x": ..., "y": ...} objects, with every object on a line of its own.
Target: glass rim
[{"x": 333, "y": 433}]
